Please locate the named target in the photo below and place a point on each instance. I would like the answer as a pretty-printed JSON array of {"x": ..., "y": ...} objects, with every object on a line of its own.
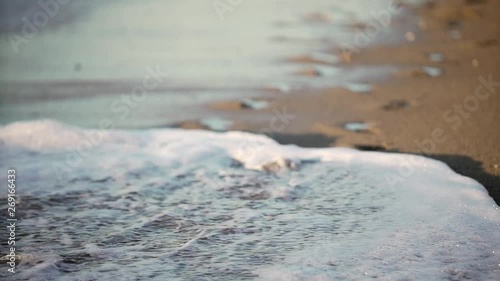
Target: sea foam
[{"x": 170, "y": 204}]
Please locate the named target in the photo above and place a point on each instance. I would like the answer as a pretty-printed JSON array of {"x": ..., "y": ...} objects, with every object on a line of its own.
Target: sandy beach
[{"x": 451, "y": 115}]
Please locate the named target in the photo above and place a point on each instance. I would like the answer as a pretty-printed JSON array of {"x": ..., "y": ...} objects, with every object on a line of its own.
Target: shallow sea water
[{"x": 176, "y": 205}]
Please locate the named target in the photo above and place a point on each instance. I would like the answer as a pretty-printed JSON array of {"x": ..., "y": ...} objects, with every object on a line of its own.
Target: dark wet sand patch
[
  {"x": 303, "y": 140},
  {"x": 246, "y": 104},
  {"x": 395, "y": 105}
]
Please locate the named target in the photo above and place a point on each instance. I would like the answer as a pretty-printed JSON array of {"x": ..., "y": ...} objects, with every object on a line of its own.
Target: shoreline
[{"x": 412, "y": 89}]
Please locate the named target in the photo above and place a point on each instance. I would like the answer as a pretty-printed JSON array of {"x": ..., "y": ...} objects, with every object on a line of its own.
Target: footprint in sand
[
  {"x": 395, "y": 105},
  {"x": 487, "y": 43}
]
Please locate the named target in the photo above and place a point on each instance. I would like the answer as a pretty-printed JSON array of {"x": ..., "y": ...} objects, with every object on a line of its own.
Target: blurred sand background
[{"x": 412, "y": 112}]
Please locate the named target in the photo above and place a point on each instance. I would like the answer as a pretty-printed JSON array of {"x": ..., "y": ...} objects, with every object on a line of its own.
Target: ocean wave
[{"x": 170, "y": 204}]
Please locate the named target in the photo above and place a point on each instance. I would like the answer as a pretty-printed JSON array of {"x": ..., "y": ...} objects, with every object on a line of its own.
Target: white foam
[{"x": 307, "y": 214}]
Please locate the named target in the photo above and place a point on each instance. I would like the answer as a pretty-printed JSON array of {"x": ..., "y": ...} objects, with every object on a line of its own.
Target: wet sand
[{"x": 438, "y": 103}]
